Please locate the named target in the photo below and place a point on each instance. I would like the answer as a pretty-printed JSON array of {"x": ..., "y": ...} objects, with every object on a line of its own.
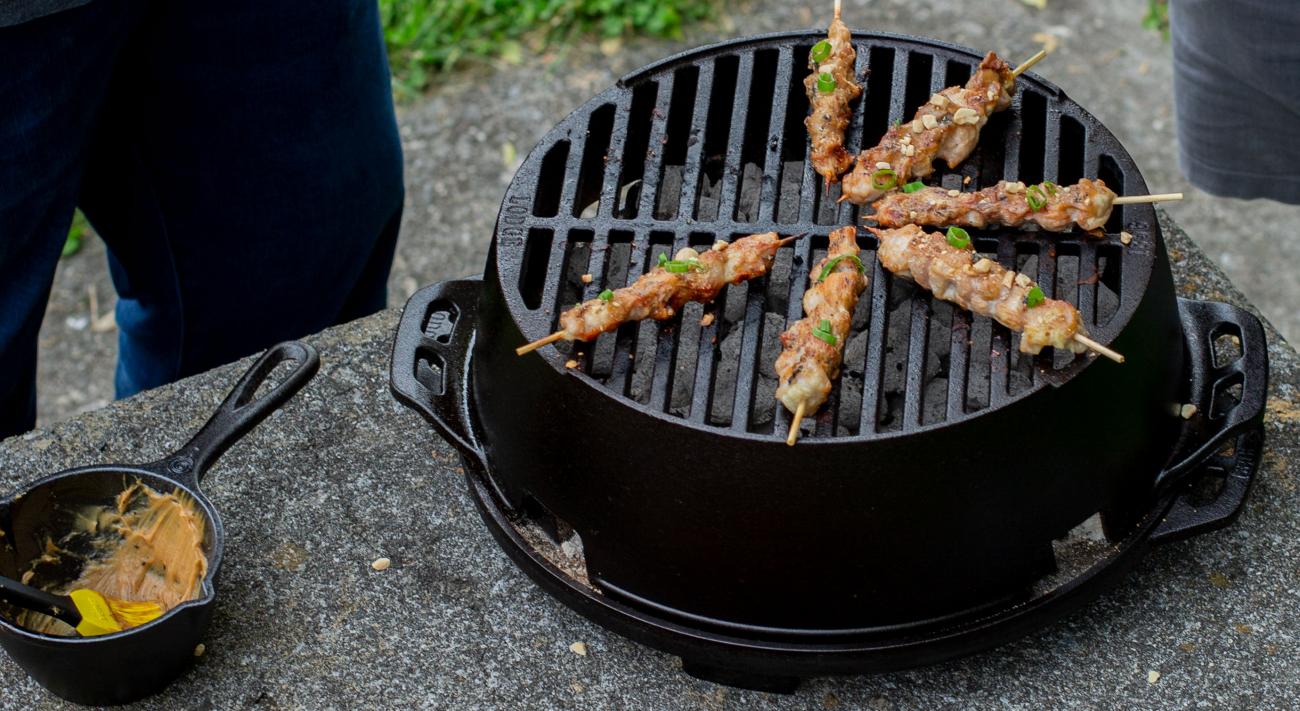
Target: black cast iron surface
[
  {"x": 344, "y": 474},
  {"x": 1198, "y": 495},
  {"x": 711, "y": 145},
  {"x": 936, "y": 483}
]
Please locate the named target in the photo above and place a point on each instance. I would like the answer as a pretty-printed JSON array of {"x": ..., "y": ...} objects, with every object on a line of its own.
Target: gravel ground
[{"x": 465, "y": 138}]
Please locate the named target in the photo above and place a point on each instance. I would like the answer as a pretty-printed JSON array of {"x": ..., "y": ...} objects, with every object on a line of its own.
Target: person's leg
[
  {"x": 1237, "y": 96},
  {"x": 248, "y": 182},
  {"x": 53, "y": 72}
]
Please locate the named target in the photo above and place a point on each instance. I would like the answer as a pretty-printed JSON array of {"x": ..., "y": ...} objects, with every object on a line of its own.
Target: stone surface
[
  {"x": 459, "y": 138},
  {"x": 343, "y": 475}
]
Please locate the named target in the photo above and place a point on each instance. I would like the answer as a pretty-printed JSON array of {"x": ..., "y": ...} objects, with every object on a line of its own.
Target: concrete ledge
[{"x": 344, "y": 475}]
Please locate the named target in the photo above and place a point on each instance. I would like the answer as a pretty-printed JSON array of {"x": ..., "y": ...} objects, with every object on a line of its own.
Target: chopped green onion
[
  {"x": 1050, "y": 187},
  {"x": 913, "y": 186},
  {"x": 830, "y": 266},
  {"x": 606, "y": 295},
  {"x": 681, "y": 266},
  {"x": 1034, "y": 195},
  {"x": 825, "y": 83},
  {"x": 821, "y": 51},
  {"x": 884, "y": 179},
  {"x": 1035, "y": 297},
  {"x": 958, "y": 237},
  {"x": 898, "y": 122},
  {"x": 824, "y": 332}
]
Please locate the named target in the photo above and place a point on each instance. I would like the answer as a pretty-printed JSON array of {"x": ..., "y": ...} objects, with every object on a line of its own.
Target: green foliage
[
  {"x": 1157, "y": 17},
  {"x": 76, "y": 233},
  {"x": 426, "y": 36}
]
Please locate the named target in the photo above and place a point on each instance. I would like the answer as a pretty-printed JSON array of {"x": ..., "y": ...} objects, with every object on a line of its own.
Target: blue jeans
[{"x": 239, "y": 158}]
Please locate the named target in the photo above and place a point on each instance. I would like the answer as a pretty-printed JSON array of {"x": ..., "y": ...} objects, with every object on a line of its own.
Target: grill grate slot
[
  {"x": 537, "y": 255},
  {"x": 715, "y": 147},
  {"x": 1033, "y": 132},
  {"x": 1109, "y": 172},
  {"x": 725, "y": 99},
  {"x": 1069, "y": 168},
  {"x": 550, "y": 184},
  {"x": 595, "y": 153},
  {"x": 676, "y": 139},
  {"x": 636, "y": 150}
]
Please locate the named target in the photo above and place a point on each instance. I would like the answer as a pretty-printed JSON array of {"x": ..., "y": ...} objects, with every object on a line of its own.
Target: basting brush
[{"x": 89, "y": 612}]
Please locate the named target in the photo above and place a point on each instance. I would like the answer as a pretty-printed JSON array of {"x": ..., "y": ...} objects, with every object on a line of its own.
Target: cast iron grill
[
  {"x": 713, "y": 146},
  {"x": 920, "y": 522}
]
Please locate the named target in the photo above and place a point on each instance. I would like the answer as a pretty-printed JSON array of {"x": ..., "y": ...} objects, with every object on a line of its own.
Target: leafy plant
[
  {"x": 427, "y": 36},
  {"x": 1157, "y": 17},
  {"x": 76, "y": 234}
]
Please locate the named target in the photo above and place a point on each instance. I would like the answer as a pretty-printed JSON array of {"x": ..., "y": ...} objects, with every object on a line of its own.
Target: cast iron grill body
[
  {"x": 932, "y": 485},
  {"x": 945, "y": 463}
]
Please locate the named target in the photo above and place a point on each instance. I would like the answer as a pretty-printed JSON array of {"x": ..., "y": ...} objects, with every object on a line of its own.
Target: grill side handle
[
  {"x": 1212, "y": 428},
  {"x": 430, "y": 356}
]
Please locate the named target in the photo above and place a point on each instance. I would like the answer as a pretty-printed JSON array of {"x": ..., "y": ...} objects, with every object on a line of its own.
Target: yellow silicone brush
[{"x": 87, "y": 611}]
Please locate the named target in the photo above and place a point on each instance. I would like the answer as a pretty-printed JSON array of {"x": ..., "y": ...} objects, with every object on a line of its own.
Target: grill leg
[{"x": 741, "y": 679}]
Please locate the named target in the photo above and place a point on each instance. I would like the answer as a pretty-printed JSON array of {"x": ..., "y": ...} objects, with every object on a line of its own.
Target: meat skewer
[
  {"x": 813, "y": 347},
  {"x": 831, "y": 87},
  {"x": 659, "y": 293},
  {"x": 944, "y": 265},
  {"x": 1009, "y": 204},
  {"x": 947, "y": 126}
]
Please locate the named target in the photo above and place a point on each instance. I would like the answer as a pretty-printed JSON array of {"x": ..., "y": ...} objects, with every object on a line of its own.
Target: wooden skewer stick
[
  {"x": 837, "y": 9},
  {"x": 793, "y": 238},
  {"x": 521, "y": 350},
  {"x": 1025, "y": 65},
  {"x": 1135, "y": 199},
  {"x": 1098, "y": 348},
  {"x": 794, "y": 426}
]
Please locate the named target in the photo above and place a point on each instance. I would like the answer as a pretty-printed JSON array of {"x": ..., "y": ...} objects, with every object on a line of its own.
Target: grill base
[{"x": 777, "y": 661}]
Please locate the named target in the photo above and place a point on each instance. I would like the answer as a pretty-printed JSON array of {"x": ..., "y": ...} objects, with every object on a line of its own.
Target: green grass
[
  {"x": 429, "y": 36},
  {"x": 1157, "y": 17}
]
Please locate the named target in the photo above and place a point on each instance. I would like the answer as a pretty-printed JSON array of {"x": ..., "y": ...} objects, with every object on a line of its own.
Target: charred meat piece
[
  {"x": 947, "y": 126},
  {"x": 658, "y": 294},
  {"x": 813, "y": 346},
  {"x": 981, "y": 286},
  {"x": 831, "y": 87}
]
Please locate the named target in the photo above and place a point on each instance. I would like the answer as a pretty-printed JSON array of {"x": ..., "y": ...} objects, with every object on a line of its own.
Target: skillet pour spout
[{"x": 129, "y": 665}]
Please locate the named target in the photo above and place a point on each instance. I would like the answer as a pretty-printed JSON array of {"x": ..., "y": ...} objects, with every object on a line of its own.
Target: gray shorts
[{"x": 1237, "y": 96}]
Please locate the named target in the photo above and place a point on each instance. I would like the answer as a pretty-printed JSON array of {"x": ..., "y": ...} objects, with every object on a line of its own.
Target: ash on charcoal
[
  {"x": 766, "y": 381},
  {"x": 1083, "y": 547},
  {"x": 568, "y": 556}
]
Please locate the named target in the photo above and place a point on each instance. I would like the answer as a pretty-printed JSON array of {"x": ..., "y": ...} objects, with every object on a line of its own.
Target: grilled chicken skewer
[
  {"x": 947, "y": 126},
  {"x": 982, "y": 286},
  {"x": 1009, "y": 204},
  {"x": 659, "y": 293},
  {"x": 813, "y": 347},
  {"x": 831, "y": 87}
]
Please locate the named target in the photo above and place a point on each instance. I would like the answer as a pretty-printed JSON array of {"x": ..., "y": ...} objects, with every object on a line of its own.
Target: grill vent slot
[
  {"x": 715, "y": 148},
  {"x": 636, "y": 149},
  {"x": 594, "y": 155},
  {"x": 722, "y": 101},
  {"x": 550, "y": 180},
  {"x": 1033, "y": 132},
  {"x": 532, "y": 279}
]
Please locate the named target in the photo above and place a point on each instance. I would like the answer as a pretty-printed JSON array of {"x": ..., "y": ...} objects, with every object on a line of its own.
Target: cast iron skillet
[{"x": 123, "y": 667}]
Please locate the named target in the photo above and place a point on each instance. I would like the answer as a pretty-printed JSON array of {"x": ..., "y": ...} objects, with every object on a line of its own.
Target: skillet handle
[
  {"x": 240, "y": 412},
  {"x": 1213, "y": 427},
  {"x": 430, "y": 357}
]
